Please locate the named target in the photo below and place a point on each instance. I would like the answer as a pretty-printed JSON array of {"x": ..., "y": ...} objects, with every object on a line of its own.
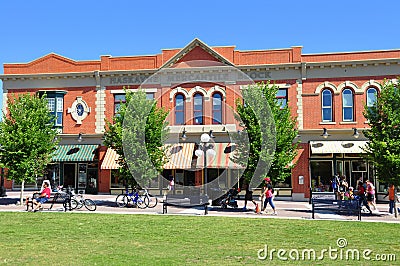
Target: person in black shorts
[{"x": 248, "y": 196}]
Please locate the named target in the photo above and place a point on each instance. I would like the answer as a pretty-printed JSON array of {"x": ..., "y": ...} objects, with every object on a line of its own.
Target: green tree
[
  {"x": 383, "y": 148},
  {"x": 285, "y": 148},
  {"x": 27, "y": 138},
  {"x": 137, "y": 133}
]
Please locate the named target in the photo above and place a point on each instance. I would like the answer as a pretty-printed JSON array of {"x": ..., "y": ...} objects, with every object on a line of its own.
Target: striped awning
[
  {"x": 222, "y": 158},
  {"x": 74, "y": 153},
  {"x": 179, "y": 155},
  {"x": 110, "y": 160}
]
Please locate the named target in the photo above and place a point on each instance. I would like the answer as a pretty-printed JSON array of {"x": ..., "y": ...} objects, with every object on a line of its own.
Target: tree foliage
[
  {"x": 138, "y": 141},
  {"x": 285, "y": 131},
  {"x": 383, "y": 148},
  {"x": 27, "y": 137}
]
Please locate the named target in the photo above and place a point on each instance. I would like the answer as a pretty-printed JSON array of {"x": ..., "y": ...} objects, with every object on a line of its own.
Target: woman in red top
[{"x": 44, "y": 196}]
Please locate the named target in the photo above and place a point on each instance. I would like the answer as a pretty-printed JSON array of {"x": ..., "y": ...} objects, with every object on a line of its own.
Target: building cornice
[{"x": 353, "y": 63}]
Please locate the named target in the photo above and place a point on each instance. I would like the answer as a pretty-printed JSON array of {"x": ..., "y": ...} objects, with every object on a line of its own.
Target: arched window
[
  {"x": 198, "y": 109},
  {"x": 327, "y": 106},
  {"x": 217, "y": 108},
  {"x": 371, "y": 97},
  {"x": 179, "y": 109},
  {"x": 348, "y": 105}
]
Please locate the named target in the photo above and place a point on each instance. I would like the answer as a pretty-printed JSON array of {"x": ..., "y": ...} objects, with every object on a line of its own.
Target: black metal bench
[
  {"x": 55, "y": 198},
  {"x": 338, "y": 206},
  {"x": 185, "y": 201}
]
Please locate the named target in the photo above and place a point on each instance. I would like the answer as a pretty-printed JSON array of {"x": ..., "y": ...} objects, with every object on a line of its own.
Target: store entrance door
[{"x": 69, "y": 174}]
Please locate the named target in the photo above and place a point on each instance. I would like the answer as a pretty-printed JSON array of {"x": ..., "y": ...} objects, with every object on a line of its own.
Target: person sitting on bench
[{"x": 44, "y": 196}]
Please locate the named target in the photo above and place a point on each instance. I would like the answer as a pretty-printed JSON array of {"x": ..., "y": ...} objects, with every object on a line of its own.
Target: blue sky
[{"x": 86, "y": 29}]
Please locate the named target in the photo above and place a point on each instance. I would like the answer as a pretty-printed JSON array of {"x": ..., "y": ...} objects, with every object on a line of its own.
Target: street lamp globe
[
  {"x": 205, "y": 138},
  {"x": 198, "y": 153},
  {"x": 210, "y": 153}
]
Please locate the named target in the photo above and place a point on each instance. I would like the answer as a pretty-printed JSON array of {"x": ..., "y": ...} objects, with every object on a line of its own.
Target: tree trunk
[{"x": 21, "y": 196}]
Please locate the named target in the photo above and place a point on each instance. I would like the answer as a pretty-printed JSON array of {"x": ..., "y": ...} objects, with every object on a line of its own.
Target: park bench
[
  {"x": 351, "y": 207},
  {"x": 185, "y": 201},
  {"x": 55, "y": 198}
]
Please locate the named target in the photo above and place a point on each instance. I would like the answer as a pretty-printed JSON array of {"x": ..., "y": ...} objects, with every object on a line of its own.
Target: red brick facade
[{"x": 303, "y": 75}]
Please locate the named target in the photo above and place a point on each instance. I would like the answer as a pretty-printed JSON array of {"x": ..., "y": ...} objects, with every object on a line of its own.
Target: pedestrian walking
[
  {"x": 248, "y": 196},
  {"x": 370, "y": 194},
  {"x": 362, "y": 189},
  {"x": 269, "y": 194},
  {"x": 391, "y": 193}
]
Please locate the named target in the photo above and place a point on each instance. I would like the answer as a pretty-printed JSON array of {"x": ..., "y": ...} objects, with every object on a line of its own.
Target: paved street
[{"x": 285, "y": 209}]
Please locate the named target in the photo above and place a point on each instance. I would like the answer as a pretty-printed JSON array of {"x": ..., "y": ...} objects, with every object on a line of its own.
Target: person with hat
[{"x": 269, "y": 194}]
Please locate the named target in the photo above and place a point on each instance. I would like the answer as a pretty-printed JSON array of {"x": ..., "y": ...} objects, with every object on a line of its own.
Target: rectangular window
[
  {"x": 281, "y": 96},
  {"x": 59, "y": 113},
  {"x": 327, "y": 106},
  {"x": 55, "y": 104},
  {"x": 150, "y": 96},
  {"x": 118, "y": 99},
  {"x": 121, "y": 98},
  {"x": 51, "y": 103},
  {"x": 321, "y": 175}
]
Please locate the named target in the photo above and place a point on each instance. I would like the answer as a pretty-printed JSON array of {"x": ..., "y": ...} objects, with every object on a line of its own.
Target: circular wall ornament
[{"x": 79, "y": 110}]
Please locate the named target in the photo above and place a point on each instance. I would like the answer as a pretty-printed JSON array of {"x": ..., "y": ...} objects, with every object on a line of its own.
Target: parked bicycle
[
  {"x": 78, "y": 201},
  {"x": 151, "y": 200},
  {"x": 132, "y": 199}
]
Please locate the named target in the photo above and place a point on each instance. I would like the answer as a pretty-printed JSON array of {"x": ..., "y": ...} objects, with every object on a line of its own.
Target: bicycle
[
  {"x": 151, "y": 200},
  {"x": 133, "y": 198},
  {"x": 78, "y": 201}
]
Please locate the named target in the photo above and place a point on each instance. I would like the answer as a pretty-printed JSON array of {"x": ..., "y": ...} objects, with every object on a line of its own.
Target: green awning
[{"x": 74, "y": 153}]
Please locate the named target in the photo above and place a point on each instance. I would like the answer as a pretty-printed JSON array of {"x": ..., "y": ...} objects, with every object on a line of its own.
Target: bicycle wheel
[
  {"x": 75, "y": 204},
  {"x": 142, "y": 202},
  {"x": 121, "y": 200},
  {"x": 152, "y": 201},
  {"x": 90, "y": 205}
]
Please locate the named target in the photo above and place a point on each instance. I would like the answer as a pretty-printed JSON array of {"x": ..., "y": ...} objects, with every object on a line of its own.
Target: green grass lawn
[{"x": 116, "y": 239}]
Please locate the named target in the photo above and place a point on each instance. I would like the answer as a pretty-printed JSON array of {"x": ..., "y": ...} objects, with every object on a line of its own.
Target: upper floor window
[
  {"x": 348, "y": 105},
  {"x": 118, "y": 100},
  {"x": 121, "y": 99},
  {"x": 198, "y": 109},
  {"x": 55, "y": 103},
  {"x": 327, "y": 106},
  {"x": 179, "y": 109},
  {"x": 371, "y": 97},
  {"x": 217, "y": 108},
  {"x": 56, "y": 107},
  {"x": 281, "y": 96}
]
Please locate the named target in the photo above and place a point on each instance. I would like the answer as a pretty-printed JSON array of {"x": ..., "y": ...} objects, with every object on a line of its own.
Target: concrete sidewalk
[{"x": 285, "y": 209}]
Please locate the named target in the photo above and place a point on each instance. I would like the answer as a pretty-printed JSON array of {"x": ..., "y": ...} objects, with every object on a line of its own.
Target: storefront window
[
  {"x": 321, "y": 175},
  {"x": 115, "y": 181}
]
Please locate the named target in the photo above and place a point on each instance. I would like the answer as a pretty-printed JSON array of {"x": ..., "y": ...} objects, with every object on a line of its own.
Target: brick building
[{"x": 198, "y": 84}]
